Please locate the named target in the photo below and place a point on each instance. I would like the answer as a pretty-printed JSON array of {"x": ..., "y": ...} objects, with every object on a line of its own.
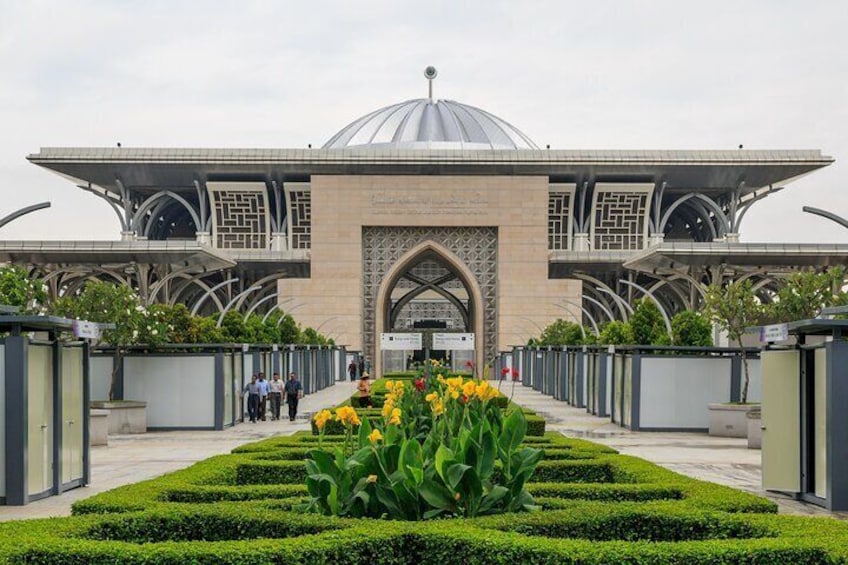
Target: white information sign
[
  {"x": 453, "y": 342},
  {"x": 400, "y": 342},
  {"x": 776, "y": 332},
  {"x": 88, "y": 330}
]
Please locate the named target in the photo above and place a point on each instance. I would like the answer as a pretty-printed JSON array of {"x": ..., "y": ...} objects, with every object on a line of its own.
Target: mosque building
[{"x": 427, "y": 213}]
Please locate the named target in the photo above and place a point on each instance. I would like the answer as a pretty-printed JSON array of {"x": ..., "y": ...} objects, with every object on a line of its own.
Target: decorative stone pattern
[
  {"x": 240, "y": 215},
  {"x": 301, "y": 219},
  {"x": 620, "y": 216},
  {"x": 477, "y": 247},
  {"x": 559, "y": 212},
  {"x": 429, "y": 310}
]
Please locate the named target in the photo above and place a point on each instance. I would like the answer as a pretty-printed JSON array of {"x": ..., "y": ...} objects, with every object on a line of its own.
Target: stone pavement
[
  {"x": 133, "y": 458},
  {"x": 726, "y": 461}
]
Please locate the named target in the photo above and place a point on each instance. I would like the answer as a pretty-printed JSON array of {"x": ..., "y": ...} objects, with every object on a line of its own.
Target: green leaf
[
  {"x": 514, "y": 429},
  {"x": 432, "y": 513},
  {"x": 412, "y": 461},
  {"x": 455, "y": 473},
  {"x": 364, "y": 432},
  {"x": 437, "y": 495},
  {"x": 488, "y": 453},
  {"x": 443, "y": 456},
  {"x": 491, "y": 498}
]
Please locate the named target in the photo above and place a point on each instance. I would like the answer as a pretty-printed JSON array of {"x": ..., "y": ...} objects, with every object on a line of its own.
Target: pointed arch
[{"x": 427, "y": 249}]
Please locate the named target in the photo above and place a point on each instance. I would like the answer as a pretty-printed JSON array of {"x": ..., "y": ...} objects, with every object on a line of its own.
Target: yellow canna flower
[
  {"x": 469, "y": 388},
  {"x": 321, "y": 419},
  {"x": 454, "y": 383},
  {"x": 387, "y": 408},
  {"x": 482, "y": 390},
  {"x": 371, "y": 479},
  {"x": 438, "y": 408},
  {"x": 395, "y": 419},
  {"x": 390, "y": 386},
  {"x": 375, "y": 436},
  {"x": 348, "y": 416},
  {"x": 431, "y": 397},
  {"x": 454, "y": 394},
  {"x": 440, "y": 378}
]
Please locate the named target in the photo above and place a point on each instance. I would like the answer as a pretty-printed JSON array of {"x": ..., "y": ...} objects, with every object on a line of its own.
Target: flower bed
[{"x": 214, "y": 512}]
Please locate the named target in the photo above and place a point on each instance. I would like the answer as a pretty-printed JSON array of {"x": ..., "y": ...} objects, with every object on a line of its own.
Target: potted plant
[{"x": 732, "y": 308}]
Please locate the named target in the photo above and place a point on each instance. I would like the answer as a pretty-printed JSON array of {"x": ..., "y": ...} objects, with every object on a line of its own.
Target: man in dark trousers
[
  {"x": 294, "y": 392},
  {"x": 252, "y": 392}
]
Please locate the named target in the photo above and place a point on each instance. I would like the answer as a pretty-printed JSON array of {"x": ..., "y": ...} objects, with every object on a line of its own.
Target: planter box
[
  {"x": 755, "y": 430},
  {"x": 730, "y": 420},
  {"x": 98, "y": 427},
  {"x": 125, "y": 416}
]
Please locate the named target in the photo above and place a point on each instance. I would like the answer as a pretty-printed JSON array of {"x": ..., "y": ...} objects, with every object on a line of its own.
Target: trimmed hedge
[
  {"x": 598, "y": 507},
  {"x": 761, "y": 540}
]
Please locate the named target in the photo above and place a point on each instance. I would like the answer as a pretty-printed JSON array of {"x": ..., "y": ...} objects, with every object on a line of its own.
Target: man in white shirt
[
  {"x": 263, "y": 395},
  {"x": 276, "y": 395}
]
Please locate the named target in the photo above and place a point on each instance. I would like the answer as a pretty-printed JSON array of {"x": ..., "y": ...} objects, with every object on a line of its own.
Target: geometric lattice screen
[
  {"x": 620, "y": 216},
  {"x": 240, "y": 215},
  {"x": 476, "y": 247},
  {"x": 299, "y": 198},
  {"x": 559, "y": 216}
]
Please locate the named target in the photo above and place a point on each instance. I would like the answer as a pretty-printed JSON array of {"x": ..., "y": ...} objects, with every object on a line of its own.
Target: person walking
[
  {"x": 351, "y": 370},
  {"x": 294, "y": 392},
  {"x": 276, "y": 395},
  {"x": 263, "y": 396},
  {"x": 252, "y": 392}
]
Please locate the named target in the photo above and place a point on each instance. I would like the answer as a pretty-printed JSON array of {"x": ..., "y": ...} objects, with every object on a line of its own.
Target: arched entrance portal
[{"x": 429, "y": 288}]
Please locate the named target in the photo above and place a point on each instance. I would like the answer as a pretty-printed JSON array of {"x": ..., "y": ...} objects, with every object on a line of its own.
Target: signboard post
[
  {"x": 83, "y": 329},
  {"x": 453, "y": 341},
  {"x": 775, "y": 332},
  {"x": 400, "y": 341}
]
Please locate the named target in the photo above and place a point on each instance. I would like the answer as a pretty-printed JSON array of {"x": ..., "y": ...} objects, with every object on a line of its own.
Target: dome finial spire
[{"x": 430, "y": 73}]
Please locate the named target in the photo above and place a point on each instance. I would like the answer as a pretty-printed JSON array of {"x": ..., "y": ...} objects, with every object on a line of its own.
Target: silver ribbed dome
[{"x": 430, "y": 124}]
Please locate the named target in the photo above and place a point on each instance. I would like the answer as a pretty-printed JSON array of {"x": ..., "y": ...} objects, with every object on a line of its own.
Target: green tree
[
  {"x": 288, "y": 328},
  {"x": 616, "y": 333},
  {"x": 106, "y": 303},
  {"x": 233, "y": 327},
  {"x": 17, "y": 288},
  {"x": 310, "y": 336},
  {"x": 806, "y": 293},
  {"x": 647, "y": 324},
  {"x": 178, "y": 320},
  {"x": 205, "y": 330},
  {"x": 561, "y": 332},
  {"x": 691, "y": 329},
  {"x": 734, "y": 307}
]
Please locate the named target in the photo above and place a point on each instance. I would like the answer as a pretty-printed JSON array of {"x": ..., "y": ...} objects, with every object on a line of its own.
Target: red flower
[
  {"x": 515, "y": 374},
  {"x": 504, "y": 371},
  {"x": 469, "y": 364},
  {"x": 465, "y": 399},
  {"x": 419, "y": 384}
]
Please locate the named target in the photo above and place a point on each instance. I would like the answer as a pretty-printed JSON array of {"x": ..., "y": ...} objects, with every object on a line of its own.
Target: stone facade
[{"x": 516, "y": 208}]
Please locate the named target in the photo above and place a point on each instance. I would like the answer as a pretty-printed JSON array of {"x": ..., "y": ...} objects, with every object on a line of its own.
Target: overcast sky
[{"x": 575, "y": 75}]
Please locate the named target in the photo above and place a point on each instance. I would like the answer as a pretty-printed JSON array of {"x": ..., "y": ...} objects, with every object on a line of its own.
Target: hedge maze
[{"x": 598, "y": 507}]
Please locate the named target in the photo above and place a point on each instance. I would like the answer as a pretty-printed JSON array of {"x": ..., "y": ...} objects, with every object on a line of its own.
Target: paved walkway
[
  {"x": 726, "y": 461},
  {"x": 133, "y": 458}
]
